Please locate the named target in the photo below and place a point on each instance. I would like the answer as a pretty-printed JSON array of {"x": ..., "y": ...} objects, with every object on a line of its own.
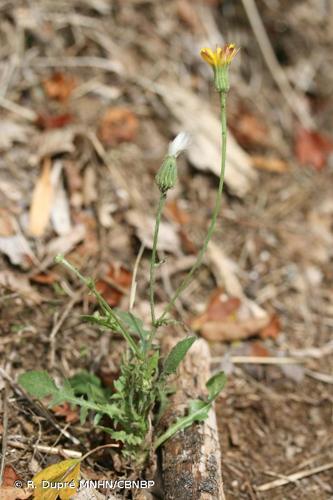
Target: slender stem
[
  {"x": 184, "y": 284},
  {"x": 153, "y": 257}
]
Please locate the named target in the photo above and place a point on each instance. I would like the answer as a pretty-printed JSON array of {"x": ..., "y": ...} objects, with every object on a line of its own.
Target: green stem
[
  {"x": 153, "y": 257},
  {"x": 184, "y": 284},
  {"x": 60, "y": 259}
]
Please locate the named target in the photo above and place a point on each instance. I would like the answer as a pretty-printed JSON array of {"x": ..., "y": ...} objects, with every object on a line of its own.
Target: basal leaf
[
  {"x": 215, "y": 385},
  {"x": 134, "y": 324},
  {"x": 67, "y": 471},
  {"x": 177, "y": 354},
  {"x": 38, "y": 383}
]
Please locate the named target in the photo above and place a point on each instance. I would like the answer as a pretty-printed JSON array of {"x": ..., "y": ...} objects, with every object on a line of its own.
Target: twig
[
  {"x": 50, "y": 450},
  {"x": 39, "y": 408},
  {"x": 322, "y": 377},
  {"x": 294, "y": 477},
  {"x": 291, "y": 97},
  {"x": 135, "y": 271},
  {"x": 26, "y": 113},
  {"x": 59, "y": 323},
  {"x": 4, "y": 432}
]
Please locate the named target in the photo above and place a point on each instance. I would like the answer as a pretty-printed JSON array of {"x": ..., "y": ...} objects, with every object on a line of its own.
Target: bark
[{"x": 191, "y": 460}]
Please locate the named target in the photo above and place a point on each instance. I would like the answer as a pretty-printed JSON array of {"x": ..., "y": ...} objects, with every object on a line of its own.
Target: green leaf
[
  {"x": 177, "y": 354},
  {"x": 38, "y": 383},
  {"x": 215, "y": 385},
  {"x": 134, "y": 324}
]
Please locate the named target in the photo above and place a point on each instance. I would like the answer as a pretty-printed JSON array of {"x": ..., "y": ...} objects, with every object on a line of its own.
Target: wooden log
[{"x": 191, "y": 460}]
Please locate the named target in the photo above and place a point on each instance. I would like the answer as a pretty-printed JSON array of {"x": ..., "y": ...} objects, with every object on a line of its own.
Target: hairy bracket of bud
[{"x": 166, "y": 177}]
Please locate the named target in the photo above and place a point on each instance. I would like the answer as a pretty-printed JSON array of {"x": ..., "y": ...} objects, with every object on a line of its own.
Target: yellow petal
[{"x": 209, "y": 56}]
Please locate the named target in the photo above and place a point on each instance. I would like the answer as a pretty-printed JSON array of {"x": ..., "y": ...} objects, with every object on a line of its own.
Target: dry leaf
[
  {"x": 258, "y": 349},
  {"x": 232, "y": 331},
  {"x": 9, "y": 476},
  {"x": 312, "y": 148},
  {"x": 272, "y": 329},
  {"x": 188, "y": 15},
  {"x": 12, "y": 493},
  {"x": 118, "y": 124},
  {"x": 66, "y": 471},
  {"x": 17, "y": 250},
  {"x": 59, "y": 86},
  {"x": 168, "y": 238},
  {"x": 64, "y": 244},
  {"x": 270, "y": 164},
  {"x": 19, "y": 283},
  {"x": 219, "y": 308},
  {"x": 60, "y": 213},
  {"x": 49, "y": 122},
  {"x": 176, "y": 213},
  {"x": 250, "y": 130},
  {"x": 196, "y": 117},
  {"x": 54, "y": 142},
  {"x": 65, "y": 410},
  {"x": 45, "y": 278},
  {"x": 122, "y": 279},
  {"x": 11, "y": 132},
  {"x": 41, "y": 203}
]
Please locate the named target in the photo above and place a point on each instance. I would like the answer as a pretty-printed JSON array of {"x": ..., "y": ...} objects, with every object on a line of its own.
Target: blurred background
[{"x": 91, "y": 92}]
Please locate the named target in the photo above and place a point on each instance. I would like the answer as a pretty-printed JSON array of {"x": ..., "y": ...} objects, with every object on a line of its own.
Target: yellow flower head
[{"x": 222, "y": 56}]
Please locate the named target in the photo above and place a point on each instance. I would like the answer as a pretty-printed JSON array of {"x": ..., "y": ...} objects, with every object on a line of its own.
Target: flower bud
[{"x": 166, "y": 177}]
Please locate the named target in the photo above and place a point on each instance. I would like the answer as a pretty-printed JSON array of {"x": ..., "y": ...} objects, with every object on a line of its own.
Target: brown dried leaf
[
  {"x": 250, "y": 130},
  {"x": 219, "y": 308},
  {"x": 118, "y": 124},
  {"x": 176, "y": 213},
  {"x": 232, "y": 331},
  {"x": 272, "y": 329},
  {"x": 48, "y": 122},
  {"x": 312, "y": 148},
  {"x": 59, "y": 86},
  {"x": 20, "y": 284},
  {"x": 12, "y": 493},
  {"x": 65, "y": 410},
  {"x": 41, "y": 204},
  {"x": 9, "y": 476},
  {"x": 121, "y": 278},
  {"x": 270, "y": 164}
]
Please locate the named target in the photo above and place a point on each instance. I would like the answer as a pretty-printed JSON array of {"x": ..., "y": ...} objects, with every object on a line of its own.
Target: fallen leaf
[
  {"x": 66, "y": 471},
  {"x": 188, "y": 15},
  {"x": 272, "y": 329},
  {"x": 9, "y": 476},
  {"x": 48, "y": 122},
  {"x": 219, "y": 308},
  {"x": 45, "y": 278},
  {"x": 187, "y": 244},
  {"x": 118, "y": 279},
  {"x": 312, "y": 148},
  {"x": 231, "y": 331},
  {"x": 41, "y": 203},
  {"x": 60, "y": 213},
  {"x": 169, "y": 240},
  {"x": 204, "y": 150},
  {"x": 11, "y": 132},
  {"x": 19, "y": 283},
  {"x": 6, "y": 223},
  {"x": 176, "y": 213},
  {"x": 270, "y": 164},
  {"x": 54, "y": 142},
  {"x": 65, "y": 410},
  {"x": 64, "y": 244},
  {"x": 10, "y": 493},
  {"x": 59, "y": 86},
  {"x": 17, "y": 250},
  {"x": 257, "y": 349},
  {"x": 249, "y": 130},
  {"x": 118, "y": 124}
]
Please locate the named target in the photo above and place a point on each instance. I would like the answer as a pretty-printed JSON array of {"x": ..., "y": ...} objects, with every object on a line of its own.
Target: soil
[{"x": 90, "y": 70}]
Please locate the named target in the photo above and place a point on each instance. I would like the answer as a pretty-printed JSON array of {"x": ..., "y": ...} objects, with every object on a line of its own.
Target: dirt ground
[{"x": 91, "y": 92}]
